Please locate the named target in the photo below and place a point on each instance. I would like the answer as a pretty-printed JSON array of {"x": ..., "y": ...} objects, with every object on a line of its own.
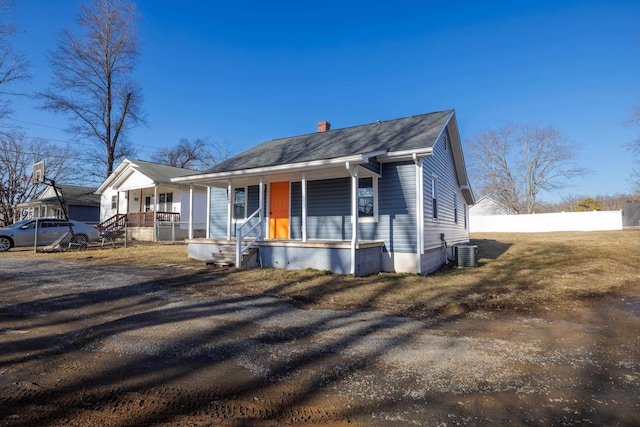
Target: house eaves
[{"x": 458, "y": 157}]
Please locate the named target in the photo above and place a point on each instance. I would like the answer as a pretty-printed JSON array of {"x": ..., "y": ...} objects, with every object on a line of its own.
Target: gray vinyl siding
[
  {"x": 329, "y": 209},
  {"x": 218, "y": 213},
  {"x": 441, "y": 165},
  {"x": 84, "y": 213},
  {"x": 396, "y": 209}
]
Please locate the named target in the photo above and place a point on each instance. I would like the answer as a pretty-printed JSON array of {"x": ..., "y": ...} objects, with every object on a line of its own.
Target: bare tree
[
  {"x": 515, "y": 163},
  {"x": 17, "y": 156},
  {"x": 13, "y": 66},
  {"x": 92, "y": 81},
  {"x": 198, "y": 154},
  {"x": 634, "y": 148}
]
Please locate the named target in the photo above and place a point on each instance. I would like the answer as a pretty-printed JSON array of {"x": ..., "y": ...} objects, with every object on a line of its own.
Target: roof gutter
[{"x": 406, "y": 154}]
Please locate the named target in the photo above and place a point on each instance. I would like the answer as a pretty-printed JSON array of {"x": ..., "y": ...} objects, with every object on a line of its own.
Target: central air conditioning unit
[{"x": 467, "y": 255}]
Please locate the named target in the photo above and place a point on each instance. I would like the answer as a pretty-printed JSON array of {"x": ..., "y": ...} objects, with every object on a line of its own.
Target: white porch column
[
  {"x": 230, "y": 196},
  {"x": 419, "y": 213},
  {"x": 261, "y": 207},
  {"x": 191, "y": 212},
  {"x": 155, "y": 212},
  {"x": 304, "y": 207},
  {"x": 354, "y": 214},
  {"x": 208, "y": 216}
]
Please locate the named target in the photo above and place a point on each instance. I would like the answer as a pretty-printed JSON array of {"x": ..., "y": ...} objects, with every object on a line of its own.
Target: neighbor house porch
[{"x": 143, "y": 226}]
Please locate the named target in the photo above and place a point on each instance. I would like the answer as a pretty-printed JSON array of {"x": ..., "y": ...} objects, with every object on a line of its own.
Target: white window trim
[
  {"x": 374, "y": 218},
  {"x": 233, "y": 210}
]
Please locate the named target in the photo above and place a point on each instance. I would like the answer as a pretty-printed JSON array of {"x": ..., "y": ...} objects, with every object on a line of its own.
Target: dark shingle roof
[
  {"x": 408, "y": 133},
  {"x": 75, "y": 195}
]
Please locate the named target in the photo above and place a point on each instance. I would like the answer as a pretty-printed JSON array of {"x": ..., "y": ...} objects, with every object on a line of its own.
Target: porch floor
[{"x": 363, "y": 244}]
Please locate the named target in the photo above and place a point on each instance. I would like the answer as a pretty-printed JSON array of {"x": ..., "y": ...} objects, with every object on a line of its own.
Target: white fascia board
[
  {"x": 115, "y": 177},
  {"x": 290, "y": 167},
  {"x": 122, "y": 178},
  {"x": 445, "y": 126}
]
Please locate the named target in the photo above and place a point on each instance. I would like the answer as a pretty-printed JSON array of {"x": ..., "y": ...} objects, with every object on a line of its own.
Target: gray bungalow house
[
  {"x": 385, "y": 196},
  {"x": 81, "y": 203}
]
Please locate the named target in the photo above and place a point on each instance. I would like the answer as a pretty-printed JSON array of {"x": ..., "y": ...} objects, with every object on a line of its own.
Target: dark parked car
[{"x": 23, "y": 233}]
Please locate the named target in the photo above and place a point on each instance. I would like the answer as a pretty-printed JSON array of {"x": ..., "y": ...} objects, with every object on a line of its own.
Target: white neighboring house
[
  {"x": 487, "y": 206},
  {"x": 142, "y": 194}
]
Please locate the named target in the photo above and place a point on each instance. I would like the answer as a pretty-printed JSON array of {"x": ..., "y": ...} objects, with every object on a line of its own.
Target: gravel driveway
[{"x": 88, "y": 344}]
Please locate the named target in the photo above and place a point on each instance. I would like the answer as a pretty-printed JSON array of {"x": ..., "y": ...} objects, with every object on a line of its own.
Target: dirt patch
[{"x": 90, "y": 344}]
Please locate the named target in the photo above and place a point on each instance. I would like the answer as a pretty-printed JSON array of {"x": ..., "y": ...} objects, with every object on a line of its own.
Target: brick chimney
[{"x": 324, "y": 126}]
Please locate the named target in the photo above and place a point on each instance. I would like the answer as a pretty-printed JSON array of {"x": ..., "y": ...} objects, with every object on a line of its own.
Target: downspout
[
  {"x": 304, "y": 206},
  {"x": 208, "y": 225},
  {"x": 155, "y": 212},
  {"x": 191, "y": 212},
  {"x": 261, "y": 207},
  {"x": 419, "y": 213},
  {"x": 354, "y": 214},
  {"x": 229, "y": 209}
]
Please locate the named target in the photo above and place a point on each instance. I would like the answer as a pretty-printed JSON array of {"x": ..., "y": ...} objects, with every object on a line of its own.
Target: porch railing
[
  {"x": 147, "y": 219},
  {"x": 240, "y": 235}
]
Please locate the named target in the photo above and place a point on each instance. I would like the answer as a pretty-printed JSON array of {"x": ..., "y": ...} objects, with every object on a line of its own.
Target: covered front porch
[{"x": 269, "y": 210}]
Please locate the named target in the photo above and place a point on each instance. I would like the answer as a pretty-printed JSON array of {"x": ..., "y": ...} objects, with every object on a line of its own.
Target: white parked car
[{"x": 23, "y": 233}]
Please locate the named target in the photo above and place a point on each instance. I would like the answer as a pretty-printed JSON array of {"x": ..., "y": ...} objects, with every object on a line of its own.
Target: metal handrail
[{"x": 239, "y": 236}]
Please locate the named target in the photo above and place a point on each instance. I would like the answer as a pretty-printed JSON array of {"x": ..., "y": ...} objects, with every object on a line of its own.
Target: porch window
[
  {"x": 114, "y": 200},
  {"x": 434, "y": 196},
  {"x": 165, "y": 202},
  {"x": 239, "y": 204},
  {"x": 367, "y": 198}
]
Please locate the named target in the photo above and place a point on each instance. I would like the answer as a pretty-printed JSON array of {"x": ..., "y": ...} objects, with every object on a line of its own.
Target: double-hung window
[
  {"x": 239, "y": 204},
  {"x": 165, "y": 202},
  {"x": 367, "y": 199},
  {"x": 434, "y": 196}
]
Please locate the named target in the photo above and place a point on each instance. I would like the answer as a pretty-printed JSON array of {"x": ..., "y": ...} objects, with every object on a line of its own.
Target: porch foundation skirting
[
  {"x": 142, "y": 234},
  {"x": 334, "y": 256}
]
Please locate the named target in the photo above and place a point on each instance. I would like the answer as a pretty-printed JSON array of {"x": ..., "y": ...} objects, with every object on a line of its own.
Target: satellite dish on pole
[{"x": 38, "y": 172}]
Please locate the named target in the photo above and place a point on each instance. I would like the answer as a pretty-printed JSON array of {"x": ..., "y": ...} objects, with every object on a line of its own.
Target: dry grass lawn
[{"x": 517, "y": 271}]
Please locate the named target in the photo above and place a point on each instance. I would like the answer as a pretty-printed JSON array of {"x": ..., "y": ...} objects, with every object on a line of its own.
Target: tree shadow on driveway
[{"x": 126, "y": 346}]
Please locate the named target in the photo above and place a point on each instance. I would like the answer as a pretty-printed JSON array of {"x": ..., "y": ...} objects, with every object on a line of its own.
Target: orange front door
[{"x": 279, "y": 211}]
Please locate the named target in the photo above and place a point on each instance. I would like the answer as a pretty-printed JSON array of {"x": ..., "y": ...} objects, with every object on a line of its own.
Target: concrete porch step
[{"x": 226, "y": 256}]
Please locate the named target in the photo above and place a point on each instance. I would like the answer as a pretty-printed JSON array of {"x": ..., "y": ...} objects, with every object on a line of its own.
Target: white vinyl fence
[{"x": 537, "y": 223}]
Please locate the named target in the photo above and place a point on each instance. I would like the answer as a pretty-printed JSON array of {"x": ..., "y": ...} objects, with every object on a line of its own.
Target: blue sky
[{"x": 241, "y": 73}]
